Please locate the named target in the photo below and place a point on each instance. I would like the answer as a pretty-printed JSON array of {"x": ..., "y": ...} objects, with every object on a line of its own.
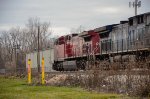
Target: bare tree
[
  {"x": 44, "y": 35},
  {"x": 1, "y": 60}
]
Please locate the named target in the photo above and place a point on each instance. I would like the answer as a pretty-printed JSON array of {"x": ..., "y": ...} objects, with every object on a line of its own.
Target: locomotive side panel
[
  {"x": 95, "y": 42},
  {"x": 87, "y": 48},
  {"x": 77, "y": 46},
  {"x": 68, "y": 50},
  {"x": 59, "y": 49},
  {"x": 147, "y": 32},
  {"x": 91, "y": 43},
  {"x": 59, "y": 52},
  {"x": 147, "y": 37},
  {"x": 119, "y": 38}
]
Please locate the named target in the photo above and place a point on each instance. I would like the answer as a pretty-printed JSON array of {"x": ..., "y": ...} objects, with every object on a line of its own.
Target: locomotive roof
[
  {"x": 104, "y": 29},
  {"x": 71, "y": 35},
  {"x": 123, "y": 22},
  {"x": 65, "y": 37},
  {"x": 100, "y": 30},
  {"x": 85, "y": 33},
  {"x": 148, "y": 13}
]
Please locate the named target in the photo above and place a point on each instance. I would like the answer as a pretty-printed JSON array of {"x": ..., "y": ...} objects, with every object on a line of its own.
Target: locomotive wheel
[{"x": 81, "y": 64}]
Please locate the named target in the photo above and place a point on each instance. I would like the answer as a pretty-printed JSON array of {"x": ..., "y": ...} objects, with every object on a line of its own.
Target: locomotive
[{"x": 128, "y": 40}]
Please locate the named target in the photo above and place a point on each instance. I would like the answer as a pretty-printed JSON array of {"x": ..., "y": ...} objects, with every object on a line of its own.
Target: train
[{"x": 127, "y": 41}]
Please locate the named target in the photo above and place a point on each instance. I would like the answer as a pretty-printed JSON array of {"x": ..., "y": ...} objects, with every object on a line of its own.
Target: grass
[{"x": 13, "y": 88}]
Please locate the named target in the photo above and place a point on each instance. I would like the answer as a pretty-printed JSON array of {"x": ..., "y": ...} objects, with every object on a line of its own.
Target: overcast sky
[{"x": 67, "y": 14}]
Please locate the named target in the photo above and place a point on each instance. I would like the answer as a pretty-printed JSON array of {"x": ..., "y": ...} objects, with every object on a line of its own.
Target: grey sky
[{"x": 67, "y": 14}]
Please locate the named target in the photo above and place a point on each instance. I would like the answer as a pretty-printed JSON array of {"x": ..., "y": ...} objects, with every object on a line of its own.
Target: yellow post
[
  {"x": 29, "y": 71},
  {"x": 43, "y": 71}
]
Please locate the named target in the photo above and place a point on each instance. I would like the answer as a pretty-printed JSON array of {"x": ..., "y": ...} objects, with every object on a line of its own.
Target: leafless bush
[
  {"x": 132, "y": 80},
  {"x": 142, "y": 89}
]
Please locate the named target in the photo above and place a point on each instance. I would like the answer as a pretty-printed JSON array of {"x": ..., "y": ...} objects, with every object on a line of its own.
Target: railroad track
[
  {"x": 119, "y": 72},
  {"x": 67, "y": 72}
]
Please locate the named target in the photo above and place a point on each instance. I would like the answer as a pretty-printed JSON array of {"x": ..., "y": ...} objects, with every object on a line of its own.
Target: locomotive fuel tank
[{"x": 69, "y": 65}]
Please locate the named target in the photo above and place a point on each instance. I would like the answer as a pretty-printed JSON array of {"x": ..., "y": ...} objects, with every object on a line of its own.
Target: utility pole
[
  {"x": 14, "y": 61},
  {"x": 16, "y": 47},
  {"x": 135, "y": 5},
  {"x": 38, "y": 53}
]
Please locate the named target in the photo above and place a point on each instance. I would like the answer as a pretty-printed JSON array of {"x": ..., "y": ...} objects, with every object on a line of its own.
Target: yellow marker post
[
  {"x": 43, "y": 71},
  {"x": 29, "y": 71}
]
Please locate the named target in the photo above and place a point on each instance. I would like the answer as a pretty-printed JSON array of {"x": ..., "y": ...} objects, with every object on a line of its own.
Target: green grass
[{"x": 18, "y": 89}]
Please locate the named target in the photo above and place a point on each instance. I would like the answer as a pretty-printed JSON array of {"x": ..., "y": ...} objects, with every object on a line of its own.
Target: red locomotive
[{"x": 73, "y": 49}]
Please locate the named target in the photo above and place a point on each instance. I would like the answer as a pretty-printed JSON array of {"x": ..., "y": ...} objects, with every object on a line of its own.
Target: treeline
[{"x": 16, "y": 42}]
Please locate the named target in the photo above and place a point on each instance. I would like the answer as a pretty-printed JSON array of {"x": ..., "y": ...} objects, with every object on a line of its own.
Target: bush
[{"x": 143, "y": 90}]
